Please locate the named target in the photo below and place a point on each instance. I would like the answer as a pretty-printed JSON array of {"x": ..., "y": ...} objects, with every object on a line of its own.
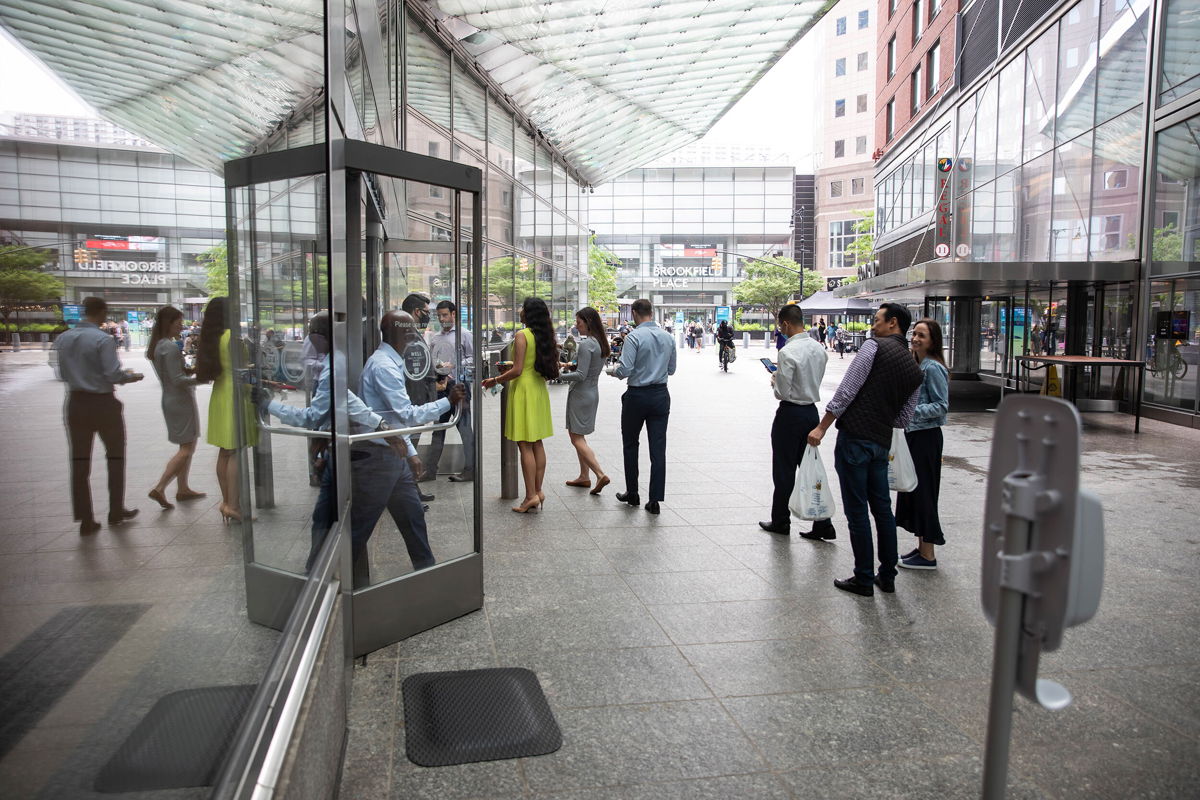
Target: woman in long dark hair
[
  {"x": 584, "y": 395},
  {"x": 213, "y": 363},
  {"x": 178, "y": 404},
  {"x": 917, "y": 511},
  {"x": 535, "y": 361}
]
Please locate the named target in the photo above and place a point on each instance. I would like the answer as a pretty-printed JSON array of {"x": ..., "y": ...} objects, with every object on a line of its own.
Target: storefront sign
[
  {"x": 137, "y": 272},
  {"x": 964, "y": 171},
  {"x": 943, "y": 233},
  {"x": 724, "y": 313}
]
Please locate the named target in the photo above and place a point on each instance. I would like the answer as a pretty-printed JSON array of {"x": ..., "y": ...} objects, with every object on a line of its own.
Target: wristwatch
[{"x": 383, "y": 426}]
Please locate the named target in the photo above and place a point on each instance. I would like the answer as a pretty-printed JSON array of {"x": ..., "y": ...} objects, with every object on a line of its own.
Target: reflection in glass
[
  {"x": 1076, "y": 61},
  {"x": 1072, "y": 187},
  {"x": 1180, "y": 57},
  {"x": 1041, "y": 68},
  {"x": 1116, "y": 207},
  {"x": 1123, "y": 46},
  {"x": 1036, "y": 198},
  {"x": 427, "y": 76}
]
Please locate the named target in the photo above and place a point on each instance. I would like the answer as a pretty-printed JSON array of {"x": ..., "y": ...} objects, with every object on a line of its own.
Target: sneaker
[
  {"x": 917, "y": 562},
  {"x": 912, "y": 553}
]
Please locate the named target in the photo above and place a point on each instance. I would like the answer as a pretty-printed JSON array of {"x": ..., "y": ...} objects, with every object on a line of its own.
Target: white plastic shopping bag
[
  {"x": 812, "y": 498},
  {"x": 902, "y": 475}
]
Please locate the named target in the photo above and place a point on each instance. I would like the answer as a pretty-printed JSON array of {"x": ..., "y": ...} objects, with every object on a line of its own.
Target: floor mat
[
  {"x": 476, "y": 715},
  {"x": 180, "y": 743}
]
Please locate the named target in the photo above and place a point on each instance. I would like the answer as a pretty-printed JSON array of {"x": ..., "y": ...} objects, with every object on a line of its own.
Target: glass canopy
[{"x": 613, "y": 85}]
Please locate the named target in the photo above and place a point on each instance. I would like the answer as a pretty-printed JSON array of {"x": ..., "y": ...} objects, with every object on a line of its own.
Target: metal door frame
[{"x": 447, "y": 590}]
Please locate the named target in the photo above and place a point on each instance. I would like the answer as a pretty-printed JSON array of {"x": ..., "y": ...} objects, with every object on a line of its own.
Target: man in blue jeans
[{"x": 878, "y": 393}]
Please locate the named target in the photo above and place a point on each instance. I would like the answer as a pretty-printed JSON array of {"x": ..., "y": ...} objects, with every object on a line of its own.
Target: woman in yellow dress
[
  {"x": 535, "y": 361},
  {"x": 214, "y": 363}
]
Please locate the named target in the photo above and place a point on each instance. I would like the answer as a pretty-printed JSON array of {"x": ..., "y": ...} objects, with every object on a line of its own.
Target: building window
[
  {"x": 864, "y": 62},
  {"x": 890, "y": 120},
  {"x": 891, "y": 57},
  {"x": 841, "y": 236},
  {"x": 856, "y": 186},
  {"x": 935, "y": 8},
  {"x": 841, "y": 26},
  {"x": 1112, "y": 232},
  {"x": 892, "y": 4},
  {"x": 835, "y": 188},
  {"x": 1116, "y": 179},
  {"x": 1170, "y": 219},
  {"x": 932, "y": 70},
  {"x": 864, "y": 19},
  {"x": 860, "y": 145},
  {"x": 839, "y": 148},
  {"x": 918, "y": 19},
  {"x": 433, "y": 149},
  {"x": 862, "y": 104},
  {"x": 914, "y": 85},
  {"x": 839, "y": 108},
  {"x": 839, "y": 68}
]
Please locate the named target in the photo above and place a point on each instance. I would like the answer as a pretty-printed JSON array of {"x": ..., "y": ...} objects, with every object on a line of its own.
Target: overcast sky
[{"x": 777, "y": 113}]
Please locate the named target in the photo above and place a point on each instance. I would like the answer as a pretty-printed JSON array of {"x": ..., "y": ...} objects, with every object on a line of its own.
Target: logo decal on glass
[{"x": 417, "y": 360}]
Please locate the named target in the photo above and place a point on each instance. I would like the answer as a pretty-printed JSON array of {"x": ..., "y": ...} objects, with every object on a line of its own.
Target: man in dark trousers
[
  {"x": 88, "y": 363},
  {"x": 423, "y": 388},
  {"x": 878, "y": 393},
  {"x": 797, "y": 383},
  {"x": 647, "y": 360}
]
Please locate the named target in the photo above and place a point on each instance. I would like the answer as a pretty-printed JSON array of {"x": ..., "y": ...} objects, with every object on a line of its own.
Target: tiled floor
[{"x": 693, "y": 656}]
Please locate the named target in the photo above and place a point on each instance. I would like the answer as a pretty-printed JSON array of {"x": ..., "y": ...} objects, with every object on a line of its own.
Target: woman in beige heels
[
  {"x": 584, "y": 396},
  {"x": 178, "y": 404}
]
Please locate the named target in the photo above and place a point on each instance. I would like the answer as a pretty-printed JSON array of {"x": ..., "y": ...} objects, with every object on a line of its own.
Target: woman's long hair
[
  {"x": 537, "y": 319},
  {"x": 595, "y": 328},
  {"x": 935, "y": 340},
  {"x": 208, "y": 352},
  {"x": 163, "y": 320}
]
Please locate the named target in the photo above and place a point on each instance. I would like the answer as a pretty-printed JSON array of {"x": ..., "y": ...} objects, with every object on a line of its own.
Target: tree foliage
[
  {"x": 22, "y": 280},
  {"x": 215, "y": 261},
  {"x": 602, "y": 278},
  {"x": 772, "y": 284},
  {"x": 510, "y": 281},
  {"x": 863, "y": 246}
]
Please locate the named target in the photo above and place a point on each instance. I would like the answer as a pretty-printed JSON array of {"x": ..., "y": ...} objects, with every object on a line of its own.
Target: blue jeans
[{"x": 862, "y": 470}]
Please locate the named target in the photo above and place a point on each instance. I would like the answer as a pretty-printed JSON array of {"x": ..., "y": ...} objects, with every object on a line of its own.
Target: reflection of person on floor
[
  {"x": 382, "y": 477},
  {"x": 315, "y": 416}
]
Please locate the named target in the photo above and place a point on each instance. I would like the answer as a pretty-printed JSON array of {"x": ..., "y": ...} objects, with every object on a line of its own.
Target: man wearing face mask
[
  {"x": 315, "y": 416},
  {"x": 454, "y": 360},
  {"x": 425, "y": 386}
]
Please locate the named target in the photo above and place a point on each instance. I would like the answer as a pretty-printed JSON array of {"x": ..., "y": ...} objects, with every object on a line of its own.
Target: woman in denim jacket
[{"x": 917, "y": 511}]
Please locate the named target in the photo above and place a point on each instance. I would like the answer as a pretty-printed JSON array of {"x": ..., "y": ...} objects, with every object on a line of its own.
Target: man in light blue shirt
[
  {"x": 382, "y": 478},
  {"x": 88, "y": 363},
  {"x": 647, "y": 360},
  {"x": 454, "y": 361}
]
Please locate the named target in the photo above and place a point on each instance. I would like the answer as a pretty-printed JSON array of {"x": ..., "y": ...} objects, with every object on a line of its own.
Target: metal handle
[
  {"x": 437, "y": 426},
  {"x": 303, "y": 432}
]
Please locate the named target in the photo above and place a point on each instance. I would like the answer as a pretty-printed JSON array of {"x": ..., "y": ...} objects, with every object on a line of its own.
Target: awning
[
  {"x": 983, "y": 278},
  {"x": 829, "y": 303}
]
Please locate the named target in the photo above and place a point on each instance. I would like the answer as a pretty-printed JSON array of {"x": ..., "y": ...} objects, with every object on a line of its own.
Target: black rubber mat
[
  {"x": 476, "y": 715},
  {"x": 180, "y": 743}
]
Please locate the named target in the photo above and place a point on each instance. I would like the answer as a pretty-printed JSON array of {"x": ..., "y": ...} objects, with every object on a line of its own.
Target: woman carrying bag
[{"x": 917, "y": 511}]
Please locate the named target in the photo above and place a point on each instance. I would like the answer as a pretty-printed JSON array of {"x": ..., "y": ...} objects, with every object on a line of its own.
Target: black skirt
[{"x": 917, "y": 511}]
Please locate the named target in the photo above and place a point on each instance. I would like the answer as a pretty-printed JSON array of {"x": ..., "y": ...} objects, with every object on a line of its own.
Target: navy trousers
[{"x": 649, "y": 406}]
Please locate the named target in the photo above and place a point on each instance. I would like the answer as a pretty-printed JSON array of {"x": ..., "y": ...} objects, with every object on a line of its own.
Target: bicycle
[
  {"x": 1172, "y": 364},
  {"x": 726, "y": 355}
]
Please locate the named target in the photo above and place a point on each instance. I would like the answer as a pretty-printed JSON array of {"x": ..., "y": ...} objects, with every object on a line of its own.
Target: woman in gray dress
[
  {"x": 178, "y": 404},
  {"x": 584, "y": 395}
]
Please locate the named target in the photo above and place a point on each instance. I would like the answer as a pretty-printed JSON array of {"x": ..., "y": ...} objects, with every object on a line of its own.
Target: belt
[
  {"x": 650, "y": 386},
  {"x": 796, "y": 405}
]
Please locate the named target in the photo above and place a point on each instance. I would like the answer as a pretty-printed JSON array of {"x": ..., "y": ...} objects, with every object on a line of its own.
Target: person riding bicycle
[{"x": 724, "y": 339}]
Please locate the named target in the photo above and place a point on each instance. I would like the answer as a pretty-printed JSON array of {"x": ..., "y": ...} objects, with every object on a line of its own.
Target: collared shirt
[
  {"x": 442, "y": 349},
  {"x": 87, "y": 359},
  {"x": 647, "y": 356},
  {"x": 383, "y": 389},
  {"x": 854, "y": 379},
  {"x": 802, "y": 365},
  {"x": 315, "y": 416}
]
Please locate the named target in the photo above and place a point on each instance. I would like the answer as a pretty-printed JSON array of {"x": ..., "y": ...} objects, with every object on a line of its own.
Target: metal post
[
  {"x": 16, "y": 342},
  {"x": 45, "y": 341},
  {"x": 745, "y": 340},
  {"x": 1004, "y": 669}
]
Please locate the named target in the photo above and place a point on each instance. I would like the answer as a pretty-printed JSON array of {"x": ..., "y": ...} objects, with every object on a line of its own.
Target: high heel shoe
[
  {"x": 528, "y": 505},
  {"x": 159, "y": 498},
  {"x": 600, "y": 484},
  {"x": 190, "y": 495},
  {"x": 581, "y": 482},
  {"x": 229, "y": 513}
]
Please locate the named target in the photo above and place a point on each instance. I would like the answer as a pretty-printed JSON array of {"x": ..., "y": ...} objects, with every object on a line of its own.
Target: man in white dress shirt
[{"x": 797, "y": 385}]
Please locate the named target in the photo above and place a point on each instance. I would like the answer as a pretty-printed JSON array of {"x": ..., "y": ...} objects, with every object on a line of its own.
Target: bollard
[
  {"x": 508, "y": 450},
  {"x": 745, "y": 340},
  {"x": 45, "y": 341},
  {"x": 767, "y": 337},
  {"x": 16, "y": 342}
]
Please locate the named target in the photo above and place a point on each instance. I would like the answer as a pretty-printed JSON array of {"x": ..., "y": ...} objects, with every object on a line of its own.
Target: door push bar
[{"x": 364, "y": 437}]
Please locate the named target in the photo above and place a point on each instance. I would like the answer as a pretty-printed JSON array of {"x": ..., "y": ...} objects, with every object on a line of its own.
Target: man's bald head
[{"x": 399, "y": 328}]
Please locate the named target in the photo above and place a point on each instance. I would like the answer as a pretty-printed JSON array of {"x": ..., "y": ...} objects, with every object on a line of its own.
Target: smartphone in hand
[{"x": 769, "y": 364}]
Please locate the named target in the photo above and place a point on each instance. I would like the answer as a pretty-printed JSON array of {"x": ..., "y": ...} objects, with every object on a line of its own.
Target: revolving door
[{"x": 347, "y": 398}]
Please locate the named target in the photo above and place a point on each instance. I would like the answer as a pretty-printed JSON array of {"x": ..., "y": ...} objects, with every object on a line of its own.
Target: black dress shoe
[
  {"x": 121, "y": 516},
  {"x": 652, "y": 506},
  {"x": 425, "y": 497},
  {"x": 427, "y": 476},
  {"x": 854, "y": 587},
  {"x": 782, "y": 529},
  {"x": 88, "y": 527},
  {"x": 820, "y": 532},
  {"x": 629, "y": 497},
  {"x": 886, "y": 584},
  {"x": 465, "y": 477}
]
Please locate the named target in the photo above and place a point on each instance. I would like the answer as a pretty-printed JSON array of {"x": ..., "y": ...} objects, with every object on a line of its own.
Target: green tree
[
  {"x": 23, "y": 281},
  {"x": 772, "y": 284},
  {"x": 863, "y": 246},
  {"x": 511, "y": 280},
  {"x": 215, "y": 261},
  {"x": 1167, "y": 244},
  {"x": 602, "y": 278}
]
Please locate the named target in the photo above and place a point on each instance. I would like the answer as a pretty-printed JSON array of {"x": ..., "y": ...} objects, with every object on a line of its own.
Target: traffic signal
[
  {"x": 81, "y": 256},
  {"x": 717, "y": 266}
]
